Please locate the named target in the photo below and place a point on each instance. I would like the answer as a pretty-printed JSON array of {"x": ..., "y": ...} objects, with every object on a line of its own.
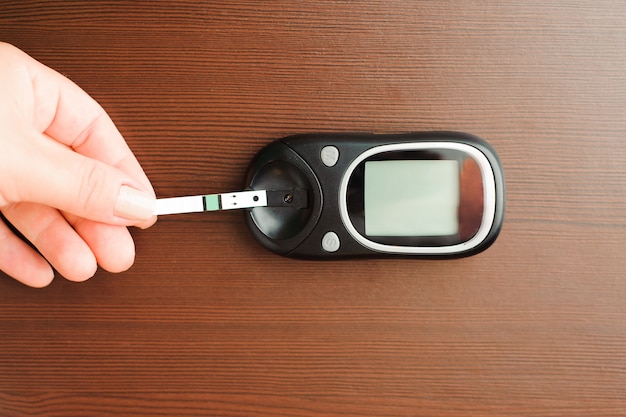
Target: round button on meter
[
  {"x": 329, "y": 155},
  {"x": 330, "y": 242}
]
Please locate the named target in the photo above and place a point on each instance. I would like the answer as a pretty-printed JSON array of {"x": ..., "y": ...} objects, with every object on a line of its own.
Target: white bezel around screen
[{"x": 489, "y": 192}]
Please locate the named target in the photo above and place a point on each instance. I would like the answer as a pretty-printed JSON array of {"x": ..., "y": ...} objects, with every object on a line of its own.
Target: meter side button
[
  {"x": 329, "y": 155},
  {"x": 330, "y": 242}
]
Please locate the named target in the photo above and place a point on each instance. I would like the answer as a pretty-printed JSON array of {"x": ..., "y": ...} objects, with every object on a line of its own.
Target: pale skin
[{"x": 63, "y": 163}]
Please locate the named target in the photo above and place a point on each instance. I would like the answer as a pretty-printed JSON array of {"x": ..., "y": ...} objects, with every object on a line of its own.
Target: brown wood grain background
[{"x": 209, "y": 323}]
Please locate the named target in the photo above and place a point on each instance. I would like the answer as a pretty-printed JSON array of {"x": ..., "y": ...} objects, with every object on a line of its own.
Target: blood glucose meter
[{"x": 332, "y": 195}]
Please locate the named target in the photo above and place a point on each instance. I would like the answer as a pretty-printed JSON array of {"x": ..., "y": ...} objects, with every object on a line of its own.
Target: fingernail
[{"x": 133, "y": 204}]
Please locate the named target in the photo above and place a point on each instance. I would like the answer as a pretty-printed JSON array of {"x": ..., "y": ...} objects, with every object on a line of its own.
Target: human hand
[{"x": 68, "y": 181}]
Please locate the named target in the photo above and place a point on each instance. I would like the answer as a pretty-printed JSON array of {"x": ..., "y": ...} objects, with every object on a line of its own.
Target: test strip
[{"x": 210, "y": 202}]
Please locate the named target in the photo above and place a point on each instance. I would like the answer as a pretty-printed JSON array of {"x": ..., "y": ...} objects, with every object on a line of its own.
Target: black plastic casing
[{"x": 294, "y": 162}]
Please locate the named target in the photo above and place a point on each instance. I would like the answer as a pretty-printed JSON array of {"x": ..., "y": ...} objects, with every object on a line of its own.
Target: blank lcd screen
[{"x": 411, "y": 198}]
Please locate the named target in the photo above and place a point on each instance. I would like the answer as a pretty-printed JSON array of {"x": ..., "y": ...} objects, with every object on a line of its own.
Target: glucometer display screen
[
  {"x": 432, "y": 197},
  {"x": 411, "y": 198}
]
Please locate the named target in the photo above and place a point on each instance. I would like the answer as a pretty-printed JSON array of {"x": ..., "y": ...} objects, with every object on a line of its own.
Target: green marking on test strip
[{"x": 212, "y": 202}]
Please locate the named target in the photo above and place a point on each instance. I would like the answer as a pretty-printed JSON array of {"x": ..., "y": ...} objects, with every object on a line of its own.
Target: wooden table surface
[{"x": 209, "y": 323}]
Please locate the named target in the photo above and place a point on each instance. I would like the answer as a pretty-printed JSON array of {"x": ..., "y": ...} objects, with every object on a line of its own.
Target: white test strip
[
  {"x": 245, "y": 199},
  {"x": 178, "y": 205},
  {"x": 210, "y": 202}
]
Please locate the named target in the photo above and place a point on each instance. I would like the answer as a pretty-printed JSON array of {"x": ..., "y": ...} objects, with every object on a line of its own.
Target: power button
[{"x": 330, "y": 242}]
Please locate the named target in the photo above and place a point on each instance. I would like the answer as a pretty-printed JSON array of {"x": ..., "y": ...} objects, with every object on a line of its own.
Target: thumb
[{"x": 66, "y": 180}]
